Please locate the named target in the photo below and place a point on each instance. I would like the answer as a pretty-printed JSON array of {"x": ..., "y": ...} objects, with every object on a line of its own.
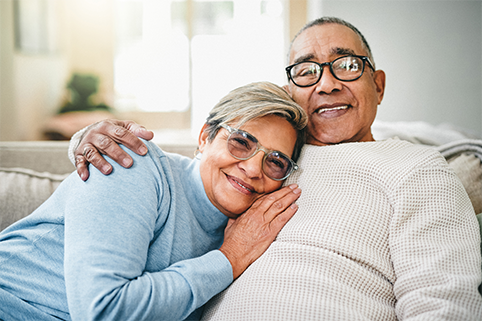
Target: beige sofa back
[{"x": 31, "y": 171}]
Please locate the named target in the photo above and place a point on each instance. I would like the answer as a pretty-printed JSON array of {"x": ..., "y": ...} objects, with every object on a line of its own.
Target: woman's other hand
[
  {"x": 247, "y": 237},
  {"x": 104, "y": 137}
]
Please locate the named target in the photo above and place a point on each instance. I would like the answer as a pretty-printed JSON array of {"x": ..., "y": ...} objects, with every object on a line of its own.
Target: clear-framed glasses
[
  {"x": 346, "y": 68},
  {"x": 242, "y": 145}
]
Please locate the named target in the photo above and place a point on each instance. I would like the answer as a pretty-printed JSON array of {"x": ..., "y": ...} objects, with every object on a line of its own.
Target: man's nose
[
  {"x": 253, "y": 167},
  {"x": 328, "y": 83}
]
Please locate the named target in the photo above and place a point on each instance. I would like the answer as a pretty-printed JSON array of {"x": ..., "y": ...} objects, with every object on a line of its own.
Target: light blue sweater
[{"x": 139, "y": 244}]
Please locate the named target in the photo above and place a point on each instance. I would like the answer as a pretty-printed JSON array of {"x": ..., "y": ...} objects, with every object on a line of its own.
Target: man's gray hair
[
  {"x": 328, "y": 20},
  {"x": 254, "y": 101}
]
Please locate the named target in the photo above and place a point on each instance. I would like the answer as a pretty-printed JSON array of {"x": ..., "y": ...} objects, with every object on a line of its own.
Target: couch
[{"x": 31, "y": 171}]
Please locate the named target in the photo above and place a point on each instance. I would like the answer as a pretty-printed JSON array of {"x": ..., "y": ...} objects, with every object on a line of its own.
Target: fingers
[
  {"x": 81, "y": 165},
  {"x": 139, "y": 131},
  {"x": 248, "y": 237},
  {"x": 92, "y": 155},
  {"x": 103, "y": 138},
  {"x": 123, "y": 132},
  {"x": 277, "y": 202}
]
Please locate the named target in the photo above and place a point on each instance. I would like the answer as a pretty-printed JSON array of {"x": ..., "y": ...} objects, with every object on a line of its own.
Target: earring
[{"x": 197, "y": 153}]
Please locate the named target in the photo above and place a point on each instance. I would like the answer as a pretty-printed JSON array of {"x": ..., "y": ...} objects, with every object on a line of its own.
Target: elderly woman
[{"x": 96, "y": 250}]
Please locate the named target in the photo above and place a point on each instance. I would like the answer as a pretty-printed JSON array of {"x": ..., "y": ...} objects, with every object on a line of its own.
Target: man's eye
[
  {"x": 307, "y": 71},
  {"x": 347, "y": 65}
]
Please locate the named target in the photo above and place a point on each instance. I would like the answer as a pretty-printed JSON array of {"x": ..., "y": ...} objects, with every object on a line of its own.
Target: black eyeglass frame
[
  {"x": 365, "y": 59},
  {"x": 259, "y": 147}
]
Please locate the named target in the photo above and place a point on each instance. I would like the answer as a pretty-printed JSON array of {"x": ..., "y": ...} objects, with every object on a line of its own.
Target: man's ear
[
  {"x": 379, "y": 78},
  {"x": 203, "y": 138},
  {"x": 287, "y": 89}
]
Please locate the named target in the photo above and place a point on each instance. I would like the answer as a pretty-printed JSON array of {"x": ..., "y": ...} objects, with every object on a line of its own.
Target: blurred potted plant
[
  {"x": 82, "y": 87},
  {"x": 79, "y": 110}
]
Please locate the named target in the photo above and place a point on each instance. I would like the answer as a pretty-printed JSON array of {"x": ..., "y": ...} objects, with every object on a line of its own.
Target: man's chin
[{"x": 324, "y": 140}]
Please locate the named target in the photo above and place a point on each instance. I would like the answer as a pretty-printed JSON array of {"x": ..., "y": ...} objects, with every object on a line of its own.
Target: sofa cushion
[
  {"x": 22, "y": 191},
  {"x": 469, "y": 170}
]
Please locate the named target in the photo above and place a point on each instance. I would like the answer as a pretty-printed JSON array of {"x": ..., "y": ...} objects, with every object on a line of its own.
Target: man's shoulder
[
  {"x": 390, "y": 155},
  {"x": 385, "y": 148}
]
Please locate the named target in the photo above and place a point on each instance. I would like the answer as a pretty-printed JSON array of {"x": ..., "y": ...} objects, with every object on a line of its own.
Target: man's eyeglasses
[
  {"x": 243, "y": 146},
  {"x": 346, "y": 68}
]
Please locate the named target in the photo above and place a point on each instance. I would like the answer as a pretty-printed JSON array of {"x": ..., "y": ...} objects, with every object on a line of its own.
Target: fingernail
[
  {"x": 105, "y": 169},
  {"x": 294, "y": 206},
  {"x": 297, "y": 191},
  {"x": 143, "y": 150},
  {"x": 293, "y": 186},
  {"x": 126, "y": 162}
]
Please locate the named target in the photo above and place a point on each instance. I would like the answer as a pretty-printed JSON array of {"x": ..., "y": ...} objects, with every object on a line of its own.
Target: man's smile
[{"x": 323, "y": 110}]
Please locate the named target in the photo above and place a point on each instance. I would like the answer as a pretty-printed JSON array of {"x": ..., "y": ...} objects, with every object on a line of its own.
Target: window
[{"x": 184, "y": 55}]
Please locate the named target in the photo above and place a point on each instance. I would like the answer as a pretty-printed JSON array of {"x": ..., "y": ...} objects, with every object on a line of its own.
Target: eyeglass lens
[
  {"x": 243, "y": 146},
  {"x": 344, "y": 68}
]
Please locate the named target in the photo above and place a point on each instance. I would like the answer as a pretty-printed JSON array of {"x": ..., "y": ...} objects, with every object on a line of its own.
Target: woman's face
[{"x": 232, "y": 185}]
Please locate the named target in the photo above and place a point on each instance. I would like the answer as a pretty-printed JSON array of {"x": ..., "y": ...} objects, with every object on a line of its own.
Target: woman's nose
[{"x": 253, "y": 167}]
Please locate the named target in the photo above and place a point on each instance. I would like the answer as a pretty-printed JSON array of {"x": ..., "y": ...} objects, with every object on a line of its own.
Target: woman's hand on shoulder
[
  {"x": 103, "y": 138},
  {"x": 247, "y": 237}
]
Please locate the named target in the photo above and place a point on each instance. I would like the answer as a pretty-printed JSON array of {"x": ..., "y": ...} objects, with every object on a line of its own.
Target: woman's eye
[
  {"x": 241, "y": 142},
  {"x": 274, "y": 162}
]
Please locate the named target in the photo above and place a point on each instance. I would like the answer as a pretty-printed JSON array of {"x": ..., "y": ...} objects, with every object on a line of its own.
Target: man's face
[{"x": 338, "y": 111}]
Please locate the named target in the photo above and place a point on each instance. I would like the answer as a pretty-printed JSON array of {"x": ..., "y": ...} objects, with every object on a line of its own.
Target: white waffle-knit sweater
[{"x": 384, "y": 231}]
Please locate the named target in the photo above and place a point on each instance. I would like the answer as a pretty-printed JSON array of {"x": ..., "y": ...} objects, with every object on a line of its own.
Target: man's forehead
[{"x": 324, "y": 42}]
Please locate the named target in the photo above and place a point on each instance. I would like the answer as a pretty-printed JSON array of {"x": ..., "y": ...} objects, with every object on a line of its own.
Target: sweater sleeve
[
  {"x": 435, "y": 248},
  {"x": 74, "y": 143},
  {"x": 107, "y": 240}
]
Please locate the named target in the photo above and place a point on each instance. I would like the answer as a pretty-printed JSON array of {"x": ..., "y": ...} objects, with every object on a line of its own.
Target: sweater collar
[{"x": 209, "y": 217}]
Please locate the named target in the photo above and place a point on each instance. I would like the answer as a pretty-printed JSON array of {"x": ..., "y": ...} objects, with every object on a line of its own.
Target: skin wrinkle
[
  {"x": 334, "y": 51},
  {"x": 324, "y": 43}
]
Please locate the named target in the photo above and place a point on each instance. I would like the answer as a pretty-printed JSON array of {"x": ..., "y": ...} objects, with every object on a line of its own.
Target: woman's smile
[
  {"x": 233, "y": 185},
  {"x": 240, "y": 185}
]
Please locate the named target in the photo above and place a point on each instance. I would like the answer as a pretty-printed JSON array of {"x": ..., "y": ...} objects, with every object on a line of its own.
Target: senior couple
[{"x": 383, "y": 230}]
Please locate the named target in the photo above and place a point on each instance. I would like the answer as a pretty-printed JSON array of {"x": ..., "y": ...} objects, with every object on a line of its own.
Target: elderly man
[{"x": 384, "y": 230}]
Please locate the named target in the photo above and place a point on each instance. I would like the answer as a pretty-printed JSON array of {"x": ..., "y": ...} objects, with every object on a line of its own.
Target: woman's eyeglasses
[{"x": 243, "y": 146}]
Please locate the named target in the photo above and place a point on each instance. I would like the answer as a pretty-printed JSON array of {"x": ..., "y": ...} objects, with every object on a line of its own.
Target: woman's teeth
[
  {"x": 243, "y": 186},
  {"x": 322, "y": 110}
]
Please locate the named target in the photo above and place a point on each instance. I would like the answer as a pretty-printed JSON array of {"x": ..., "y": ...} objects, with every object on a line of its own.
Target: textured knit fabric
[
  {"x": 384, "y": 231},
  {"x": 139, "y": 244}
]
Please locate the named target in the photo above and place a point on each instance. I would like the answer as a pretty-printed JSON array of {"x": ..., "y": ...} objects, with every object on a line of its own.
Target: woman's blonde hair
[{"x": 254, "y": 101}]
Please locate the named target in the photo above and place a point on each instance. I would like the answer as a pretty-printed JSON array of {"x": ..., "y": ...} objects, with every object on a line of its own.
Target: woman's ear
[{"x": 203, "y": 138}]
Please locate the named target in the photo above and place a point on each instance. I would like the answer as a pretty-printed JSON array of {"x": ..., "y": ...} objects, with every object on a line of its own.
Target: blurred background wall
[
  {"x": 431, "y": 52},
  {"x": 165, "y": 63}
]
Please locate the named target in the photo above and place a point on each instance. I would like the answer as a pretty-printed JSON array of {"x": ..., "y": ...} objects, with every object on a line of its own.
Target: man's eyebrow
[
  {"x": 303, "y": 58},
  {"x": 337, "y": 51},
  {"x": 342, "y": 51}
]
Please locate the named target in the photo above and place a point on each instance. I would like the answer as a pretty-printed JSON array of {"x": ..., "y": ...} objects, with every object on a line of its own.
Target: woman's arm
[{"x": 109, "y": 227}]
